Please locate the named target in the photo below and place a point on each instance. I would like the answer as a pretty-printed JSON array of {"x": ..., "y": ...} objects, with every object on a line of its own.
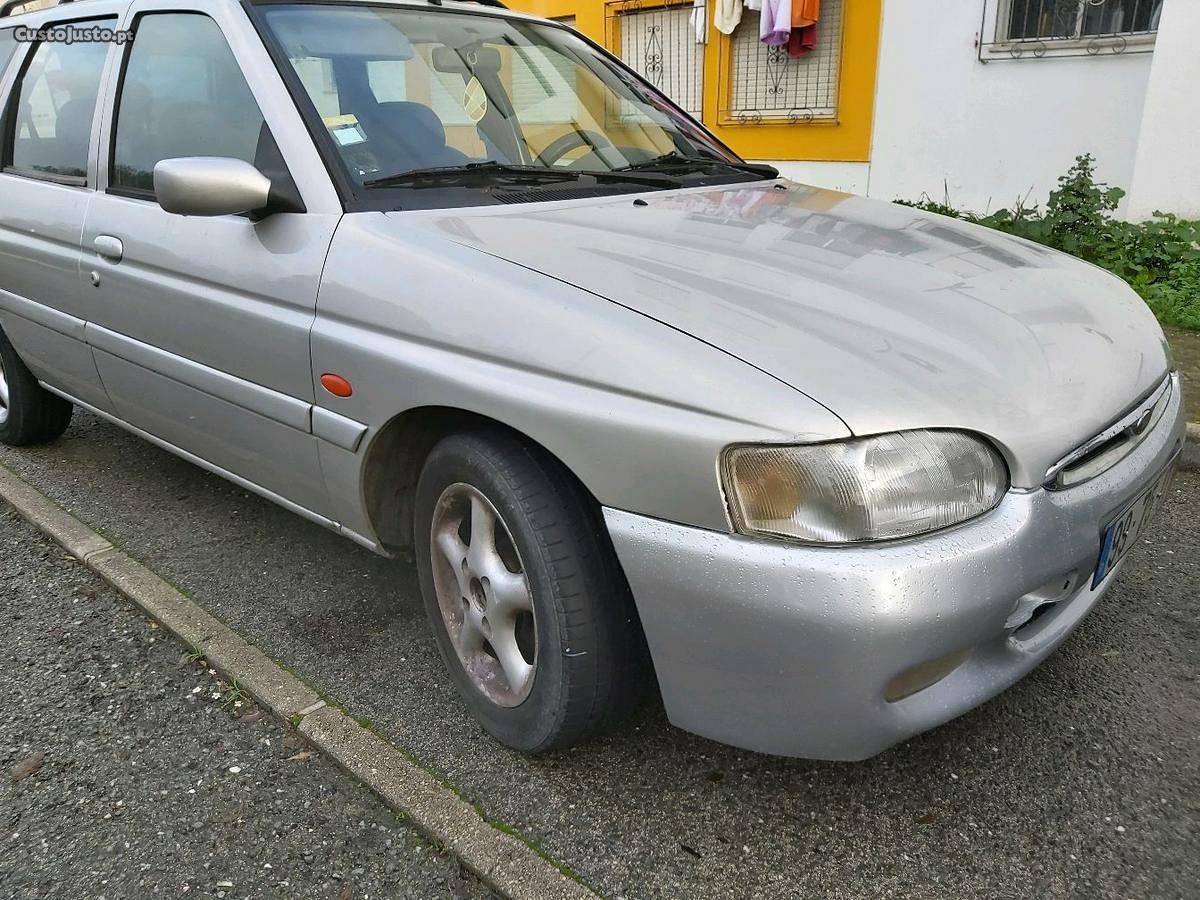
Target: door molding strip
[
  {"x": 272, "y": 404},
  {"x": 43, "y": 315},
  {"x": 337, "y": 429}
]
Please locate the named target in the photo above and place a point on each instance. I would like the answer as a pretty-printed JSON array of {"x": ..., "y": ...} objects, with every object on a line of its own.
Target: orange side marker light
[{"x": 336, "y": 385}]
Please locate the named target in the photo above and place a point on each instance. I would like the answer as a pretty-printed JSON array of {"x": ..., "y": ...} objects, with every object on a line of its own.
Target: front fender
[{"x": 637, "y": 410}]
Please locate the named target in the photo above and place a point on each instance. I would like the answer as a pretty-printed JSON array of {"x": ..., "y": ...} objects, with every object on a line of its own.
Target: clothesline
[{"x": 790, "y": 22}]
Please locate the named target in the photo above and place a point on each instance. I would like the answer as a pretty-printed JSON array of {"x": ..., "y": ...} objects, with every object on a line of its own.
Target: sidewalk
[
  {"x": 1186, "y": 347},
  {"x": 130, "y": 771}
]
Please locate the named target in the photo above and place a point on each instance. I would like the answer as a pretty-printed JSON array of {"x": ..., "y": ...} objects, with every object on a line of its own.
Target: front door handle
[{"x": 109, "y": 247}]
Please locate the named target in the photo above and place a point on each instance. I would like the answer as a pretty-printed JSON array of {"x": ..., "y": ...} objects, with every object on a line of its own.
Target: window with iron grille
[
  {"x": 1030, "y": 29},
  {"x": 766, "y": 83},
  {"x": 659, "y": 43},
  {"x": 1058, "y": 20}
]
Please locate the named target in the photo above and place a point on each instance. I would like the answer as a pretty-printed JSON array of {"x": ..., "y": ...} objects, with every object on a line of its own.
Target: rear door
[
  {"x": 201, "y": 325},
  {"x": 47, "y": 179}
]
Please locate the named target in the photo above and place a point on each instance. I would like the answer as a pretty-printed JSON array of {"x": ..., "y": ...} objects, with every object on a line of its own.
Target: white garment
[
  {"x": 699, "y": 21},
  {"x": 727, "y": 15},
  {"x": 755, "y": 5}
]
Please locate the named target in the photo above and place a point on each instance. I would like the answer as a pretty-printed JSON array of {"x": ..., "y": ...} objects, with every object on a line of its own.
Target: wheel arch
[{"x": 397, "y": 454}]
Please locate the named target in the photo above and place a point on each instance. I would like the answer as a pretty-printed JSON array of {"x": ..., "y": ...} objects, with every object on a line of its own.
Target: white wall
[
  {"x": 850, "y": 177},
  {"x": 987, "y": 134},
  {"x": 1166, "y": 175}
]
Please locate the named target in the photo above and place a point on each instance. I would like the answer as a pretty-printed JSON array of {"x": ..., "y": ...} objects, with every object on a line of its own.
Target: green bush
[{"x": 1160, "y": 258}]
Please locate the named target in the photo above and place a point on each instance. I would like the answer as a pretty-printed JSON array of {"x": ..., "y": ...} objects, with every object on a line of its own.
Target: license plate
[{"x": 1122, "y": 533}]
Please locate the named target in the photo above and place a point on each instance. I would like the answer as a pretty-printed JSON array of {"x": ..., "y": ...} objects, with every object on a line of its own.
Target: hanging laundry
[
  {"x": 755, "y": 5},
  {"x": 805, "y": 15},
  {"x": 699, "y": 21},
  {"x": 775, "y": 29},
  {"x": 802, "y": 41},
  {"x": 727, "y": 15}
]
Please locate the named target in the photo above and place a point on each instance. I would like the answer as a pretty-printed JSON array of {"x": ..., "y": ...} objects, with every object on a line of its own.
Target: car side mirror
[{"x": 210, "y": 186}]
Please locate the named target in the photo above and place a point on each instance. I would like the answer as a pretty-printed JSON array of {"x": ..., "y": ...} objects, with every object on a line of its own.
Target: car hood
[{"x": 891, "y": 317}]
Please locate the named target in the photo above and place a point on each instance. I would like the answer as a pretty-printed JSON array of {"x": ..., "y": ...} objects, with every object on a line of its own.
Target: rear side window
[
  {"x": 182, "y": 94},
  {"x": 8, "y": 46},
  {"x": 50, "y": 116}
]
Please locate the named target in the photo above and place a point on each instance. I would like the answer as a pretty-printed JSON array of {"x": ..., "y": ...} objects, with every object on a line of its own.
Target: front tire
[
  {"x": 530, "y": 609},
  {"x": 29, "y": 414}
]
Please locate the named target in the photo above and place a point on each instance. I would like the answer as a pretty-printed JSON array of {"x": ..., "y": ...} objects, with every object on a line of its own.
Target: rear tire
[
  {"x": 29, "y": 414},
  {"x": 512, "y": 551}
]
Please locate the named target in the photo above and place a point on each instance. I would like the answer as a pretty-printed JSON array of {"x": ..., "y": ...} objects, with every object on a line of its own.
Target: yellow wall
[{"x": 846, "y": 139}]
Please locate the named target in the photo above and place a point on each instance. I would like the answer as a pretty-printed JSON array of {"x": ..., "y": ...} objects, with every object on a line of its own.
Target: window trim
[
  {"x": 114, "y": 120},
  {"x": 8, "y": 128}
]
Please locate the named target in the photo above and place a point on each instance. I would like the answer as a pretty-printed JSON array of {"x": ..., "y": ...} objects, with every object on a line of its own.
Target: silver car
[{"x": 824, "y": 472}]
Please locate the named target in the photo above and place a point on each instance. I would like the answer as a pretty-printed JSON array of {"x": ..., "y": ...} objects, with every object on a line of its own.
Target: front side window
[
  {"x": 404, "y": 91},
  {"x": 182, "y": 94},
  {"x": 52, "y": 110}
]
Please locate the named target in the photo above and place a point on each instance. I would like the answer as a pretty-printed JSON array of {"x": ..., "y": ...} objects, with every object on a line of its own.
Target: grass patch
[
  {"x": 194, "y": 654},
  {"x": 234, "y": 694},
  {"x": 1159, "y": 258}
]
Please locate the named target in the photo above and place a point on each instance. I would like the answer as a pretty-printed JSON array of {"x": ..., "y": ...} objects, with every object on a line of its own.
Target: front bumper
[{"x": 788, "y": 649}]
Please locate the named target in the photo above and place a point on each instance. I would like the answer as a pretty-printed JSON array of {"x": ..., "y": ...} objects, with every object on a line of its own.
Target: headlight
[{"x": 864, "y": 489}]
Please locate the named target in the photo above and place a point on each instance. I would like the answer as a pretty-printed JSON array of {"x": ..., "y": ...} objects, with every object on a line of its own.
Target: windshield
[{"x": 414, "y": 99}]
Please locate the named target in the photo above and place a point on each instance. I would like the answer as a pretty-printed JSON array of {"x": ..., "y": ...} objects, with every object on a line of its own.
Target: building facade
[{"x": 981, "y": 103}]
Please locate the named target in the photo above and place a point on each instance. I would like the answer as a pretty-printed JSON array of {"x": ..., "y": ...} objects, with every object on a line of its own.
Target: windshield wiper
[
  {"x": 473, "y": 173},
  {"x": 469, "y": 172},
  {"x": 676, "y": 162}
]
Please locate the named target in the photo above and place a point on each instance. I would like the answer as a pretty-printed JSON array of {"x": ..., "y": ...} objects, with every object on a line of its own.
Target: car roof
[
  {"x": 15, "y": 9},
  {"x": 12, "y": 12}
]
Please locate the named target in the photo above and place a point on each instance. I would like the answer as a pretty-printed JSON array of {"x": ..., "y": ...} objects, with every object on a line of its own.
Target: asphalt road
[
  {"x": 1083, "y": 780},
  {"x": 131, "y": 771}
]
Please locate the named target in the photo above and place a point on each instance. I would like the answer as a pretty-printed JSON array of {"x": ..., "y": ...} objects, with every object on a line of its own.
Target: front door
[{"x": 200, "y": 326}]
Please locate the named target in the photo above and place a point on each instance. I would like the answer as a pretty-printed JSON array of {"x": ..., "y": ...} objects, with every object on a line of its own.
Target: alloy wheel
[{"x": 484, "y": 596}]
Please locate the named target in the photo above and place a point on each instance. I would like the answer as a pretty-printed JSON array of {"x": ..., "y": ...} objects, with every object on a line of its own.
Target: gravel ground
[
  {"x": 128, "y": 774},
  {"x": 1083, "y": 780}
]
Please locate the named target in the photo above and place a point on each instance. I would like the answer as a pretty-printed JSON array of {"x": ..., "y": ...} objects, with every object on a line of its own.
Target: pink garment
[{"x": 775, "y": 28}]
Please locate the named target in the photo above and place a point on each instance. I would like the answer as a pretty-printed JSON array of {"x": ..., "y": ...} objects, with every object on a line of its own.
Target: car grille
[{"x": 1099, "y": 454}]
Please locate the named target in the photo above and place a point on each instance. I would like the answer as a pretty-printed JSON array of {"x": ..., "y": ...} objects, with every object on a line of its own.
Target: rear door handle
[{"x": 109, "y": 247}]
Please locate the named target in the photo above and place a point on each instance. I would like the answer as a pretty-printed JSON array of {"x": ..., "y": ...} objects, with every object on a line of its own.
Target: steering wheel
[{"x": 560, "y": 147}]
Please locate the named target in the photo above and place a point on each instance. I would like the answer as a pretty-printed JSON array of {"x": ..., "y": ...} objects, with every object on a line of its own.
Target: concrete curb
[{"x": 504, "y": 862}]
